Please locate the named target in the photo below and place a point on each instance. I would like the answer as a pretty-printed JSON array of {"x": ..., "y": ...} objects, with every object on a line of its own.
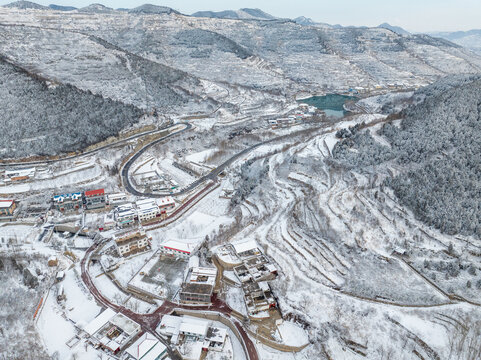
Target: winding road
[
  {"x": 149, "y": 322},
  {"x": 212, "y": 175}
]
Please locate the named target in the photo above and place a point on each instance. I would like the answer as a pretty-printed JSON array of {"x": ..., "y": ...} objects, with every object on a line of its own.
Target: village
[{"x": 149, "y": 295}]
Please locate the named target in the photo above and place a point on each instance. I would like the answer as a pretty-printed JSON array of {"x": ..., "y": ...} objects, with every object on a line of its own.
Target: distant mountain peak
[
  {"x": 25, "y": 5},
  {"x": 96, "y": 8},
  {"x": 258, "y": 13},
  {"x": 396, "y": 29},
  {"x": 152, "y": 9},
  {"x": 241, "y": 14},
  {"x": 61, "y": 7},
  {"x": 302, "y": 20}
]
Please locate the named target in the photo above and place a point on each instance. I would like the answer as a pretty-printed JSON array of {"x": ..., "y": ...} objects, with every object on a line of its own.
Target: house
[
  {"x": 94, "y": 199},
  {"x": 194, "y": 329},
  {"x": 61, "y": 294},
  {"x": 131, "y": 242},
  {"x": 147, "y": 347},
  {"x": 199, "y": 285},
  {"x": 68, "y": 202},
  {"x": 60, "y": 276},
  {"x": 147, "y": 209},
  {"x": 258, "y": 296},
  {"x": 187, "y": 330},
  {"x": 7, "y": 207},
  {"x": 116, "y": 199},
  {"x": 109, "y": 222},
  {"x": 125, "y": 215},
  {"x": 273, "y": 124},
  {"x": 177, "y": 248},
  {"x": 166, "y": 204},
  {"x": 112, "y": 331},
  {"x": 215, "y": 339},
  {"x": 169, "y": 326},
  {"x": 19, "y": 175},
  {"x": 246, "y": 248}
]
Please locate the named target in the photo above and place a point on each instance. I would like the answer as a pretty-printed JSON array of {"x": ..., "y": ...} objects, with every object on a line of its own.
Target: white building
[
  {"x": 166, "y": 204},
  {"x": 246, "y": 248},
  {"x": 131, "y": 242},
  {"x": 116, "y": 199},
  {"x": 147, "y": 209},
  {"x": 125, "y": 215},
  {"x": 199, "y": 285},
  {"x": 19, "y": 174},
  {"x": 186, "y": 329},
  {"x": 147, "y": 347},
  {"x": 177, "y": 248},
  {"x": 112, "y": 331},
  {"x": 109, "y": 221}
]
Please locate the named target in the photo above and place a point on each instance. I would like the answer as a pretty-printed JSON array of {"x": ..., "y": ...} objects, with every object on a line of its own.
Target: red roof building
[
  {"x": 97, "y": 192},
  {"x": 94, "y": 199}
]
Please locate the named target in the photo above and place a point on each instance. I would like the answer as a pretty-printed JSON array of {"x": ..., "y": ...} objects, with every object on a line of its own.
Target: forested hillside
[
  {"x": 439, "y": 145},
  {"x": 42, "y": 119}
]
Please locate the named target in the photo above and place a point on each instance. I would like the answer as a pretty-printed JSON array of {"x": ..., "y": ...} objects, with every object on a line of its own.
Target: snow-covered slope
[
  {"x": 469, "y": 39},
  {"x": 245, "y": 14},
  {"x": 152, "y": 9},
  {"x": 397, "y": 29},
  {"x": 25, "y": 5}
]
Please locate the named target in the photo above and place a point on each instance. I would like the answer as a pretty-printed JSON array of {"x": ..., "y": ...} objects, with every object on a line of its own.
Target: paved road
[
  {"x": 210, "y": 176},
  {"x": 51, "y": 161},
  {"x": 124, "y": 172},
  {"x": 149, "y": 322}
]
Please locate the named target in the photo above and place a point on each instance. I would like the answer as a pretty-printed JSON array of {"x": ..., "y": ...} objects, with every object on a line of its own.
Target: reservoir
[{"x": 331, "y": 104}]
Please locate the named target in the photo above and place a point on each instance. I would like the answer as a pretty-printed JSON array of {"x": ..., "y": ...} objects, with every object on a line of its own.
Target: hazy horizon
[{"x": 414, "y": 16}]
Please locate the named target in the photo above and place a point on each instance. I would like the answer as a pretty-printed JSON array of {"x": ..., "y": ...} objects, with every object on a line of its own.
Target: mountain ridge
[{"x": 241, "y": 14}]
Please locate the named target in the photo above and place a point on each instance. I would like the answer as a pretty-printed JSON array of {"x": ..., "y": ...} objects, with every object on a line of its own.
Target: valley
[{"x": 230, "y": 185}]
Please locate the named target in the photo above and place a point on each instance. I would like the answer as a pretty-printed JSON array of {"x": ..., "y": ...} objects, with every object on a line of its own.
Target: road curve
[
  {"x": 210, "y": 176},
  {"x": 150, "y": 321},
  {"x": 124, "y": 171}
]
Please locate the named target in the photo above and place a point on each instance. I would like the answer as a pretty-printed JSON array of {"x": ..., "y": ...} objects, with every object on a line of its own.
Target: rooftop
[
  {"x": 202, "y": 275},
  {"x": 95, "y": 325},
  {"x": 179, "y": 246},
  {"x": 146, "y": 205},
  {"x": 147, "y": 347},
  {"x": 170, "y": 324},
  {"x": 216, "y": 334},
  {"x": 95, "y": 192},
  {"x": 168, "y": 200},
  {"x": 73, "y": 196},
  {"x": 194, "y": 288},
  {"x": 197, "y": 327},
  {"x": 6, "y": 203},
  {"x": 245, "y": 246}
]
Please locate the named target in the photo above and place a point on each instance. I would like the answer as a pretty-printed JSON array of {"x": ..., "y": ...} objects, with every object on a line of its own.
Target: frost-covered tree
[{"x": 439, "y": 145}]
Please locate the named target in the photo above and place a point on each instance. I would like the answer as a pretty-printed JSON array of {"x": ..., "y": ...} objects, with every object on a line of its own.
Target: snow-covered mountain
[
  {"x": 25, "y": 5},
  {"x": 302, "y": 20},
  {"x": 397, "y": 29},
  {"x": 469, "y": 39},
  {"x": 62, "y": 8},
  {"x": 171, "y": 62},
  {"x": 245, "y": 14},
  {"x": 96, "y": 8},
  {"x": 152, "y": 9}
]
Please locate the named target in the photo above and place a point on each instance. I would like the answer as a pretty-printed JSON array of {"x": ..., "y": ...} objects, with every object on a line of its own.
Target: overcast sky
[{"x": 413, "y": 15}]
